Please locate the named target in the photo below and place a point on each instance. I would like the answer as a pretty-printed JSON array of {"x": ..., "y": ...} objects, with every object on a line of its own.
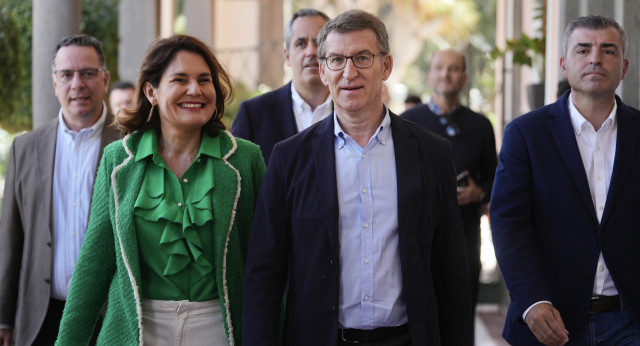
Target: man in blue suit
[
  {"x": 358, "y": 219},
  {"x": 269, "y": 118},
  {"x": 564, "y": 209}
]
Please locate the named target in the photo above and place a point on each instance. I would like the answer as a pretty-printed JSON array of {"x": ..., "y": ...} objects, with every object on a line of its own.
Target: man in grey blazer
[{"x": 47, "y": 196}]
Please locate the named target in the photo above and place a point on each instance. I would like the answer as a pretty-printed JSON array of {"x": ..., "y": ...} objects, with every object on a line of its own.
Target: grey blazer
[{"x": 26, "y": 229}]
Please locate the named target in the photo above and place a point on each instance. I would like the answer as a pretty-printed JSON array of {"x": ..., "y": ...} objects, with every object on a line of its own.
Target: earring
[{"x": 151, "y": 112}]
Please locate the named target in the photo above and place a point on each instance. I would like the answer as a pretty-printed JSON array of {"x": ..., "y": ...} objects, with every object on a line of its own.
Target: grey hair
[
  {"x": 352, "y": 21},
  {"x": 594, "y": 23},
  {"x": 305, "y": 12},
  {"x": 83, "y": 41}
]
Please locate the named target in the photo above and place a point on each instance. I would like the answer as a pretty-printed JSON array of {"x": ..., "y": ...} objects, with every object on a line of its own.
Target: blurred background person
[
  {"x": 474, "y": 147},
  {"x": 47, "y": 195},
  {"x": 277, "y": 115},
  {"x": 171, "y": 213},
  {"x": 411, "y": 101},
  {"x": 121, "y": 95}
]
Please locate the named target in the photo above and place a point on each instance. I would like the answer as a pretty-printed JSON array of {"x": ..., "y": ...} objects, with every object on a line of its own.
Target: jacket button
[
  {"x": 49, "y": 244},
  {"x": 47, "y": 281}
]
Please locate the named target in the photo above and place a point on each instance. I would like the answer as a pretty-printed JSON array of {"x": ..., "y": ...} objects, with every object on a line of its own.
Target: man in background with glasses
[
  {"x": 277, "y": 115},
  {"x": 47, "y": 195},
  {"x": 357, "y": 218},
  {"x": 474, "y": 146}
]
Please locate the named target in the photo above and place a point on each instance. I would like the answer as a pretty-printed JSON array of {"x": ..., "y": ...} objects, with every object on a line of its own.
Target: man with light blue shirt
[
  {"x": 47, "y": 196},
  {"x": 281, "y": 113},
  {"x": 357, "y": 218}
]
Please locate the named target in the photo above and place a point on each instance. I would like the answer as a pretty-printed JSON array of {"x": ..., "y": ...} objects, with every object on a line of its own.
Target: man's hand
[
  {"x": 546, "y": 324},
  {"x": 471, "y": 193},
  {"x": 5, "y": 336}
]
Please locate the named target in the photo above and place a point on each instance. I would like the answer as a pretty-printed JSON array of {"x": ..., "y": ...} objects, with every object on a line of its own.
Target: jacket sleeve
[
  {"x": 266, "y": 269},
  {"x": 94, "y": 270},
  {"x": 241, "y": 126},
  {"x": 513, "y": 224},
  {"x": 12, "y": 236},
  {"x": 489, "y": 162},
  {"x": 449, "y": 263}
]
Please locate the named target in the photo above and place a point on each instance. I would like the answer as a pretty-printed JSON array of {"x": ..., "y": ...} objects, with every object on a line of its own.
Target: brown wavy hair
[{"x": 155, "y": 62}]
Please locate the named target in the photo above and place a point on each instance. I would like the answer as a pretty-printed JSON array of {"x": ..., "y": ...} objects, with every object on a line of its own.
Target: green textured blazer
[{"x": 108, "y": 268}]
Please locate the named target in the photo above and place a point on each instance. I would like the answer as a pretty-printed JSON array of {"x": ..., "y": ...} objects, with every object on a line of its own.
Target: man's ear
[
  {"x": 387, "y": 66},
  {"x": 323, "y": 78}
]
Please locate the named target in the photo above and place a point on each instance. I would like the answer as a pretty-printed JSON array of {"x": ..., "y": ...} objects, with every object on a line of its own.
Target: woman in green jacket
[{"x": 171, "y": 213}]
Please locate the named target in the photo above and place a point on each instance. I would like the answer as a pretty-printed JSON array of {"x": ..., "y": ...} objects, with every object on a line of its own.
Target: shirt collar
[
  {"x": 382, "y": 134},
  {"x": 579, "y": 122},
  {"x": 209, "y": 146},
  {"x": 299, "y": 103},
  {"x": 438, "y": 111},
  {"x": 94, "y": 130}
]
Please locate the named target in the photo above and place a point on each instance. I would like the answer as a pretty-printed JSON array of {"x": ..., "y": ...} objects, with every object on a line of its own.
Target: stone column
[
  {"x": 271, "y": 42},
  {"x": 52, "y": 20},
  {"x": 138, "y": 27},
  {"x": 199, "y": 14}
]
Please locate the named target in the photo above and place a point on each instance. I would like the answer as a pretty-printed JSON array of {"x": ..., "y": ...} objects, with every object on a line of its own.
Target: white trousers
[{"x": 183, "y": 323}]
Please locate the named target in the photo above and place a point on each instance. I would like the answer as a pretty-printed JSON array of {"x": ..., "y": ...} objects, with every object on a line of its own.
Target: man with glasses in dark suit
[
  {"x": 357, "y": 219},
  {"x": 474, "y": 146}
]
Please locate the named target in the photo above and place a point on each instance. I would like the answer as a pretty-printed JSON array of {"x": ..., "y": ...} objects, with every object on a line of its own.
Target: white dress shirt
[
  {"x": 598, "y": 151},
  {"x": 370, "y": 273},
  {"x": 73, "y": 177},
  {"x": 305, "y": 116}
]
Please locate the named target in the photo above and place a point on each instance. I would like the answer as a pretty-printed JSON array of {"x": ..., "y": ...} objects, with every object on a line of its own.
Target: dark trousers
[{"x": 49, "y": 330}]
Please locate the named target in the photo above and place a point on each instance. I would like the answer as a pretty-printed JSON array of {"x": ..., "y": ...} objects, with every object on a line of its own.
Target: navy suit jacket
[
  {"x": 295, "y": 242},
  {"x": 266, "y": 119},
  {"x": 545, "y": 230}
]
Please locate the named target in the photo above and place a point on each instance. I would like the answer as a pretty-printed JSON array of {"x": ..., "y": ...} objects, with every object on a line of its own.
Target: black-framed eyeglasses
[
  {"x": 450, "y": 126},
  {"x": 362, "y": 60},
  {"x": 86, "y": 74}
]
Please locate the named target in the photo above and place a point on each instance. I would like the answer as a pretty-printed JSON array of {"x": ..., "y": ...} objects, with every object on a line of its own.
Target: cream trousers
[{"x": 183, "y": 323}]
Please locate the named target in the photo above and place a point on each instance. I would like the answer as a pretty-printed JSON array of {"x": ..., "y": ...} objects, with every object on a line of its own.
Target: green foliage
[
  {"x": 523, "y": 49},
  {"x": 529, "y": 51},
  {"x": 99, "y": 19},
  {"x": 15, "y": 64}
]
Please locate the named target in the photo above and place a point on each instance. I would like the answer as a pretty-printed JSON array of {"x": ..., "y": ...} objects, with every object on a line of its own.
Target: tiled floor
[{"x": 489, "y": 323}]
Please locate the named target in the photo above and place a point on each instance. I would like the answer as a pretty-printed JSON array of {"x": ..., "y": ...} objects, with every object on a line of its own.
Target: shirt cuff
[{"x": 524, "y": 315}]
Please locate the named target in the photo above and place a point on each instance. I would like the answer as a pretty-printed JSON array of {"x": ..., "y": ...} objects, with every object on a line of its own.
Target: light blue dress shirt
[
  {"x": 370, "y": 274},
  {"x": 73, "y": 177}
]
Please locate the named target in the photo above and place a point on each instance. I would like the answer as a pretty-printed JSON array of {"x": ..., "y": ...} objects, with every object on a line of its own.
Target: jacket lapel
[
  {"x": 408, "y": 179},
  {"x": 281, "y": 112},
  {"x": 46, "y": 156},
  {"x": 565, "y": 139},
  {"x": 224, "y": 193},
  {"x": 325, "y": 166},
  {"x": 109, "y": 134},
  {"x": 626, "y": 149},
  {"x": 127, "y": 177}
]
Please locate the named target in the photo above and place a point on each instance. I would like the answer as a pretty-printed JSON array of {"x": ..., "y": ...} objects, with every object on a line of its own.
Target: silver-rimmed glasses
[{"x": 361, "y": 60}]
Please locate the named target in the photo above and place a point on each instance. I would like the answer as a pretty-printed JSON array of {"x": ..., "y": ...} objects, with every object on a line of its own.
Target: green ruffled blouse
[{"x": 174, "y": 224}]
